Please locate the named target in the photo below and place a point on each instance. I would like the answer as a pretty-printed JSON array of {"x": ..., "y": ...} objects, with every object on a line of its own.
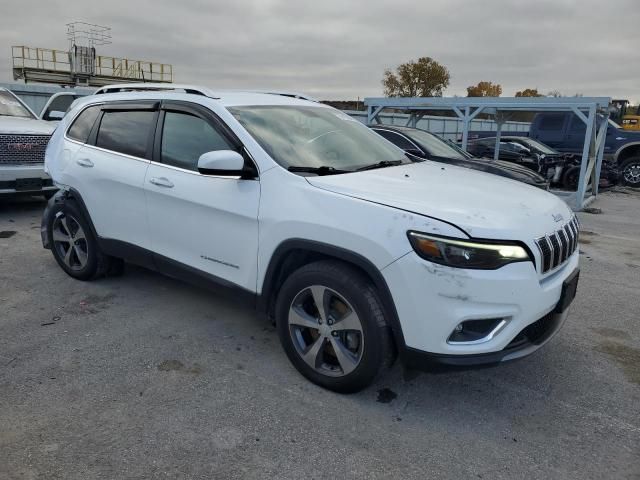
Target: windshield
[
  {"x": 11, "y": 107},
  {"x": 538, "y": 146},
  {"x": 434, "y": 145},
  {"x": 299, "y": 136}
]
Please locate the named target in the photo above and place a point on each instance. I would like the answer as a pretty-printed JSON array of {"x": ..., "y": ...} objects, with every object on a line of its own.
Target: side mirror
[
  {"x": 221, "y": 162},
  {"x": 55, "y": 115}
]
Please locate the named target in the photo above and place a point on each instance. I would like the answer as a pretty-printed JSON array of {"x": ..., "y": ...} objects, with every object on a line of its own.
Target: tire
[
  {"x": 363, "y": 341},
  {"x": 571, "y": 177},
  {"x": 73, "y": 244},
  {"x": 630, "y": 172}
]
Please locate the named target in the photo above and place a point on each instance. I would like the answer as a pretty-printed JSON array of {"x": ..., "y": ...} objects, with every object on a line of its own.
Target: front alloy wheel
[
  {"x": 631, "y": 172},
  {"x": 326, "y": 331},
  {"x": 332, "y": 325}
]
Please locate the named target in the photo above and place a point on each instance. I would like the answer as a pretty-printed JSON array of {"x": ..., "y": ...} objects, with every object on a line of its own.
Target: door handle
[
  {"x": 84, "y": 162},
  {"x": 161, "y": 182}
]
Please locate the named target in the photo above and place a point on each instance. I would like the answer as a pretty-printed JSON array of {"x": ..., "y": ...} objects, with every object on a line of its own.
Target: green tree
[
  {"x": 529, "y": 92},
  {"x": 485, "y": 89},
  {"x": 421, "y": 78}
]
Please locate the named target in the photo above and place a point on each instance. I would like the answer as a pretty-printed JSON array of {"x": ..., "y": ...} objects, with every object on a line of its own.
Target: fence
[{"x": 449, "y": 128}]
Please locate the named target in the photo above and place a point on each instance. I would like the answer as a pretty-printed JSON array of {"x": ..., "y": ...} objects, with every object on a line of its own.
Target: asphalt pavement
[{"x": 145, "y": 377}]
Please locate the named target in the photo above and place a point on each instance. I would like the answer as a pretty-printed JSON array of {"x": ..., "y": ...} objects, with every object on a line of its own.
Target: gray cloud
[{"x": 338, "y": 49}]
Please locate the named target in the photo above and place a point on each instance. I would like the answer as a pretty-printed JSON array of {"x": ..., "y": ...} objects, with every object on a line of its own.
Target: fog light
[{"x": 472, "y": 332}]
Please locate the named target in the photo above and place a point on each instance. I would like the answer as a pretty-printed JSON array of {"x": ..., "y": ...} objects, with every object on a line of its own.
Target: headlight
[{"x": 466, "y": 254}]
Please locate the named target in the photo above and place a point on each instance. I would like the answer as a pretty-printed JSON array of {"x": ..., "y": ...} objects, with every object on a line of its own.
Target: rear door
[
  {"x": 200, "y": 223},
  {"x": 550, "y": 129},
  {"x": 109, "y": 170}
]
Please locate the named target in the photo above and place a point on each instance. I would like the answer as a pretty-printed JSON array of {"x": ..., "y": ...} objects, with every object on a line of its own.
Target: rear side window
[
  {"x": 82, "y": 125},
  {"x": 126, "y": 131},
  {"x": 552, "y": 122},
  {"x": 186, "y": 137}
]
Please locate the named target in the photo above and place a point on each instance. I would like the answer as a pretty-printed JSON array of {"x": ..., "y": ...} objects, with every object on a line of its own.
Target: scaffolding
[
  {"x": 46, "y": 65},
  {"x": 501, "y": 109}
]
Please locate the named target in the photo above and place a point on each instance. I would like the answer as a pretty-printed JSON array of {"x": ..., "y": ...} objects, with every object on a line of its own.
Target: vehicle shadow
[{"x": 22, "y": 204}]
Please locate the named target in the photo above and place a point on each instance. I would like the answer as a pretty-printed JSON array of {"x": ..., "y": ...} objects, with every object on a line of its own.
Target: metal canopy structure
[{"x": 502, "y": 108}]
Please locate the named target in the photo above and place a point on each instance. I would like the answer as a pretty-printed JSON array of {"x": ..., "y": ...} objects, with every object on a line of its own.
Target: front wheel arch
[{"x": 295, "y": 253}]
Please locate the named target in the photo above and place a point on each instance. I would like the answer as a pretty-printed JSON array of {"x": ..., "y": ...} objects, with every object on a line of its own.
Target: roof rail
[
  {"x": 155, "y": 87},
  {"x": 285, "y": 93}
]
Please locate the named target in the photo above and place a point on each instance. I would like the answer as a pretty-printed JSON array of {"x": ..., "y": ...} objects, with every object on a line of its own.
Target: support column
[{"x": 586, "y": 165}]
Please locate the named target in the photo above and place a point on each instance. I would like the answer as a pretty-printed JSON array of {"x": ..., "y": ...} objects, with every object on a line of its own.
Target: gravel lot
[{"x": 146, "y": 377}]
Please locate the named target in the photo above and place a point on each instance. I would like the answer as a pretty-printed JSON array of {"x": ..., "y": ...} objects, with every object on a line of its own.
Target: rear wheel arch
[
  {"x": 61, "y": 197},
  {"x": 290, "y": 255}
]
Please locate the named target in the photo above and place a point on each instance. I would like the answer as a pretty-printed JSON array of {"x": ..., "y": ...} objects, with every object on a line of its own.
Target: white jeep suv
[
  {"x": 356, "y": 252},
  {"x": 23, "y": 139}
]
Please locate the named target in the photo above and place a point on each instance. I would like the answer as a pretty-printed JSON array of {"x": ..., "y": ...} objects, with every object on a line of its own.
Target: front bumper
[
  {"x": 530, "y": 339},
  {"x": 14, "y": 179},
  {"x": 431, "y": 300}
]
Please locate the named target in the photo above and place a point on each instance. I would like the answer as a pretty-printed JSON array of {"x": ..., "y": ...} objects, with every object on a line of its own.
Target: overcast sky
[{"x": 338, "y": 49}]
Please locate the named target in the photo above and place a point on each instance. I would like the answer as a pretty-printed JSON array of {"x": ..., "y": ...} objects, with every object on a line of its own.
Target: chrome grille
[
  {"x": 558, "y": 246},
  {"x": 22, "y": 149}
]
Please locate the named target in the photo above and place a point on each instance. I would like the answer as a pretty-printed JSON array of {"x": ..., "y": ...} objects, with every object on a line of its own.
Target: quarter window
[
  {"x": 126, "y": 131},
  {"x": 185, "y": 137},
  {"x": 82, "y": 125}
]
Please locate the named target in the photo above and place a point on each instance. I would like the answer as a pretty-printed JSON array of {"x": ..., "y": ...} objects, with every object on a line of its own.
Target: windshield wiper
[
  {"x": 323, "y": 170},
  {"x": 382, "y": 164}
]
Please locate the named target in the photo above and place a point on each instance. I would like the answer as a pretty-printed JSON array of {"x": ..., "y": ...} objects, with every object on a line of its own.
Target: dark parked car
[
  {"x": 428, "y": 146},
  {"x": 525, "y": 151},
  {"x": 565, "y": 132}
]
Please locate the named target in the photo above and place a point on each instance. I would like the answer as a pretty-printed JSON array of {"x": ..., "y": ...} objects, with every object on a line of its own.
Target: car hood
[
  {"x": 499, "y": 167},
  {"x": 481, "y": 204},
  {"x": 25, "y": 126}
]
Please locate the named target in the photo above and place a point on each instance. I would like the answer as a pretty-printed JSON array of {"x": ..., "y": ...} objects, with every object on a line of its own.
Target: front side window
[
  {"x": 186, "y": 137},
  {"x": 82, "y": 125},
  {"x": 10, "y": 106},
  {"x": 59, "y": 104},
  {"x": 126, "y": 131},
  {"x": 541, "y": 147},
  {"x": 314, "y": 137}
]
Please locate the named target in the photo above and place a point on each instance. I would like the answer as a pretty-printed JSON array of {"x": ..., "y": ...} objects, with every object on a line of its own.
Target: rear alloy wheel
[
  {"x": 630, "y": 172},
  {"x": 70, "y": 242},
  {"x": 331, "y": 324},
  {"x": 73, "y": 243}
]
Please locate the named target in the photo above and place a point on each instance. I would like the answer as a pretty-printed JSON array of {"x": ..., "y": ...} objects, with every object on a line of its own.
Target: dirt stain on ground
[
  {"x": 7, "y": 233},
  {"x": 178, "y": 366},
  {"x": 627, "y": 358},
  {"x": 92, "y": 304},
  {"x": 612, "y": 333}
]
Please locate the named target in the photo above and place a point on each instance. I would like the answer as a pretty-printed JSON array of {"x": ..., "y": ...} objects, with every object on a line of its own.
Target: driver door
[{"x": 202, "y": 222}]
